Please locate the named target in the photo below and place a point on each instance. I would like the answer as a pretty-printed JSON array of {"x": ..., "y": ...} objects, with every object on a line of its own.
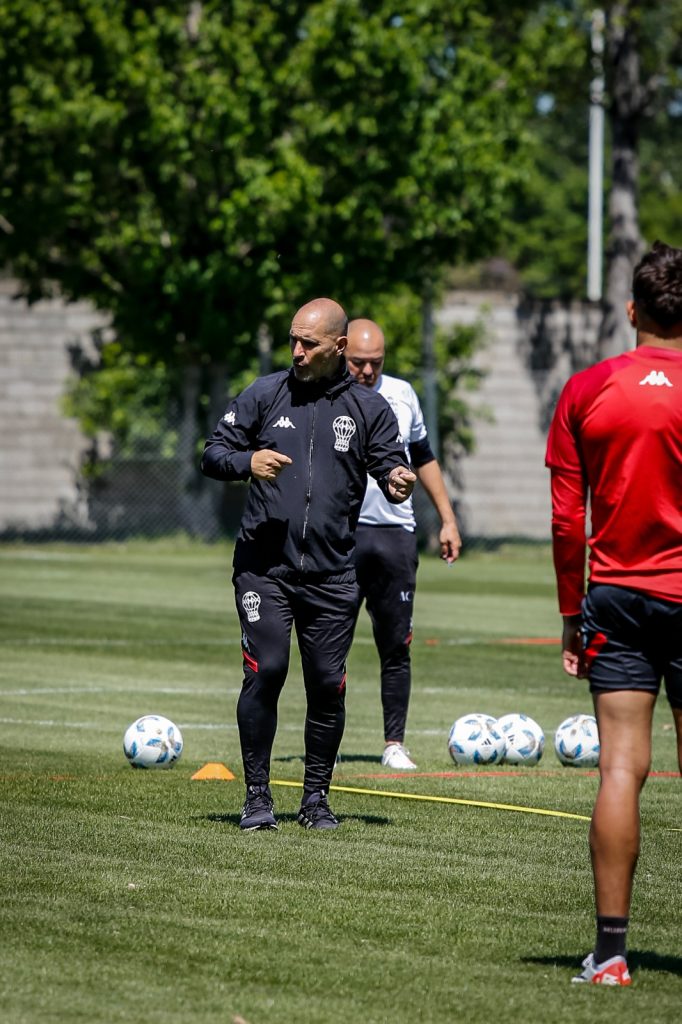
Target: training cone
[{"x": 214, "y": 770}]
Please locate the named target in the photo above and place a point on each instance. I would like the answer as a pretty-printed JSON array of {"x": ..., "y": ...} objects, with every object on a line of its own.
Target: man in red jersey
[{"x": 616, "y": 437}]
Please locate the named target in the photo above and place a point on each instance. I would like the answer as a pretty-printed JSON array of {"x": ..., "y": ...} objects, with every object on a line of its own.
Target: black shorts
[{"x": 631, "y": 641}]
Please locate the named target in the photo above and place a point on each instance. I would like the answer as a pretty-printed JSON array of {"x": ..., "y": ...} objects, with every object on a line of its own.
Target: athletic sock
[{"x": 611, "y": 935}]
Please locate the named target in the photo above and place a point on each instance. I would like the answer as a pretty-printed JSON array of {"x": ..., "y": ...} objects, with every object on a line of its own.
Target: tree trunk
[{"x": 626, "y": 110}]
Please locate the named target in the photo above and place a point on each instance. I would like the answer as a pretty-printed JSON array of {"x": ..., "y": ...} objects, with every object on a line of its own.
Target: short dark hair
[{"x": 657, "y": 285}]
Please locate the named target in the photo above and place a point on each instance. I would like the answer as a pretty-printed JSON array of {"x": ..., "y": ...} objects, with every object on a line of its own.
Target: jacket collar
[{"x": 330, "y": 386}]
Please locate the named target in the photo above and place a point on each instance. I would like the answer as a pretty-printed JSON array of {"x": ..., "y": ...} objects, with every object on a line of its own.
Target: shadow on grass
[
  {"x": 637, "y": 958},
  {"x": 366, "y": 758},
  {"x": 344, "y": 758},
  {"x": 233, "y": 819}
]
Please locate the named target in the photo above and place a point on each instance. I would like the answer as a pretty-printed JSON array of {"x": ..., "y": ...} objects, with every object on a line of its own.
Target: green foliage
[
  {"x": 145, "y": 165},
  {"x": 661, "y": 181},
  {"x": 415, "y": 125},
  {"x": 200, "y": 170},
  {"x": 546, "y": 235},
  {"x": 127, "y": 396},
  {"x": 546, "y": 228},
  {"x": 400, "y": 316},
  {"x": 196, "y": 169}
]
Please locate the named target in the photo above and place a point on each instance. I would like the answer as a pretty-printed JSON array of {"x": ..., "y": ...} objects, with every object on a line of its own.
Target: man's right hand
[
  {"x": 268, "y": 464},
  {"x": 572, "y": 655}
]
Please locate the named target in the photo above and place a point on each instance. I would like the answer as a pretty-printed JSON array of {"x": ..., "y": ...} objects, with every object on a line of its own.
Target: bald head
[
  {"x": 365, "y": 351},
  {"x": 325, "y": 314},
  {"x": 318, "y": 339}
]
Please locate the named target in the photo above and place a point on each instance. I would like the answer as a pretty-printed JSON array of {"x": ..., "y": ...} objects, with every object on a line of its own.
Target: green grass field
[{"x": 133, "y": 896}]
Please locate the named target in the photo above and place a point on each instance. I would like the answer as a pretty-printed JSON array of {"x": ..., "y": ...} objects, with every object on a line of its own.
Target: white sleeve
[{"x": 418, "y": 430}]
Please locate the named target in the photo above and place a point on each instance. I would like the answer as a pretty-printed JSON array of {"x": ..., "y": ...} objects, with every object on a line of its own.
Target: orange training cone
[{"x": 214, "y": 770}]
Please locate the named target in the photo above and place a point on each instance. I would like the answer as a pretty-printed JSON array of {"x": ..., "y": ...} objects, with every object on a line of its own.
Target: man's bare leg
[
  {"x": 624, "y": 720},
  {"x": 677, "y": 718}
]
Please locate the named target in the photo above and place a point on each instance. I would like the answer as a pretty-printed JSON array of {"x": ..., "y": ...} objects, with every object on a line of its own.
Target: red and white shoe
[{"x": 611, "y": 972}]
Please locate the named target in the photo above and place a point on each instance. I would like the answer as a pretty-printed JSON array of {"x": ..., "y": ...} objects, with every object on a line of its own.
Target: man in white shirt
[{"x": 385, "y": 541}]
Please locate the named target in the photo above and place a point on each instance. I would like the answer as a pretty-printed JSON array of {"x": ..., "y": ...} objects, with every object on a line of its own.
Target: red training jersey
[{"x": 617, "y": 436}]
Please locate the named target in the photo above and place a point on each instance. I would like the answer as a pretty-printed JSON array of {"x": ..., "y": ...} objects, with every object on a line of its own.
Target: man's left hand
[
  {"x": 401, "y": 483},
  {"x": 450, "y": 542}
]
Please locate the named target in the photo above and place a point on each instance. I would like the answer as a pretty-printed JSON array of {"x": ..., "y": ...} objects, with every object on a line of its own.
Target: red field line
[
  {"x": 492, "y": 774},
  {"x": 441, "y": 775},
  {"x": 537, "y": 641}
]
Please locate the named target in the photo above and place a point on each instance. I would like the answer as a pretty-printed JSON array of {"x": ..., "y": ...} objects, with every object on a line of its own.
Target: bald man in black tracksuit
[{"x": 306, "y": 439}]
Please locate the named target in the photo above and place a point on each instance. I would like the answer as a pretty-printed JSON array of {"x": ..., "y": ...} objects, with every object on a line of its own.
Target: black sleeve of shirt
[
  {"x": 420, "y": 452},
  {"x": 385, "y": 450},
  {"x": 227, "y": 452}
]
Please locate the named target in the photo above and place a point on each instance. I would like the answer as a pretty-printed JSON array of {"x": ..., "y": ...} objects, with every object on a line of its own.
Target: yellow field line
[{"x": 442, "y": 800}]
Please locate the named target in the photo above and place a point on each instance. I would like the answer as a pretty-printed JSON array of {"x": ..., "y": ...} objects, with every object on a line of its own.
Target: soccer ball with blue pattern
[
  {"x": 524, "y": 739},
  {"x": 152, "y": 742},
  {"x": 475, "y": 739},
  {"x": 576, "y": 741}
]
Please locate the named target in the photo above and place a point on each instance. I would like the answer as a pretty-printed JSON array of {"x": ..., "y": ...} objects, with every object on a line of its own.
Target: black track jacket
[{"x": 335, "y": 432}]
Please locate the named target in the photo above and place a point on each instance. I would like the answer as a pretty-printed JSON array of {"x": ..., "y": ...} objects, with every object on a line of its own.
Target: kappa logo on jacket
[
  {"x": 657, "y": 379},
  {"x": 230, "y": 418},
  {"x": 344, "y": 428},
  {"x": 284, "y": 421}
]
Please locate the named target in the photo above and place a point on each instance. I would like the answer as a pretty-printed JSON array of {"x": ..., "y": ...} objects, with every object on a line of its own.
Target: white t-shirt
[{"x": 401, "y": 397}]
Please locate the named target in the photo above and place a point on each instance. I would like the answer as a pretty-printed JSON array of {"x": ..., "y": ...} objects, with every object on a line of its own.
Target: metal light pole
[{"x": 596, "y": 161}]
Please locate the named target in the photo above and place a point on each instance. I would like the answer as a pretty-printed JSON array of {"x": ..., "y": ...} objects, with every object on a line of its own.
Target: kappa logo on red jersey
[{"x": 657, "y": 379}]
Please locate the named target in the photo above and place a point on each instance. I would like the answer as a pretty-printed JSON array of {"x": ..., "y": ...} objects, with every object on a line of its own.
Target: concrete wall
[
  {"x": 529, "y": 351},
  {"x": 502, "y": 488},
  {"x": 40, "y": 448}
]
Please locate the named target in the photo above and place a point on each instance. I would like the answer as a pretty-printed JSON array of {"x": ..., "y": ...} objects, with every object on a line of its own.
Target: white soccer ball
[
  {"x": 524, "y": 739},
  {"x": 475, "y": 739},
  {"x": 576, "y": 741},
  {"x": 152, "y": 742}
]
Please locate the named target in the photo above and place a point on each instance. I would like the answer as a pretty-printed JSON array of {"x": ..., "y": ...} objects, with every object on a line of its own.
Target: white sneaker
[{"x": 397, "y": 757}]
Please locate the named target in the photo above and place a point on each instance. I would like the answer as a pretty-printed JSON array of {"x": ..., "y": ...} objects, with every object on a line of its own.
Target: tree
[
  {"x": 643, "y": 180},
  {"x": 184, "y": 165},
  {"x": 144, "y": 167},
  {"x": 196, "y": 169},
  {"x": 644, "y": 52}
]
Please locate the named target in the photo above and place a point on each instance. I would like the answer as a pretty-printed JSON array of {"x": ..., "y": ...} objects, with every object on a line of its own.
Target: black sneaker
[
  {"x": 315, "y": 812},
  {"x": 257, "y": 810}
]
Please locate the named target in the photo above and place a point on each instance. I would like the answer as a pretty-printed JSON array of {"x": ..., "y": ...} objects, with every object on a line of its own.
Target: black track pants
[
  {"x": 323, "y": 615},
  {"x": 386, "y": 564}
]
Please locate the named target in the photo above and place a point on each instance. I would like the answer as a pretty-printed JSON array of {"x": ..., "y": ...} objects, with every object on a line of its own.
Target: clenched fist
[{"x": 401, "y": 481}]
